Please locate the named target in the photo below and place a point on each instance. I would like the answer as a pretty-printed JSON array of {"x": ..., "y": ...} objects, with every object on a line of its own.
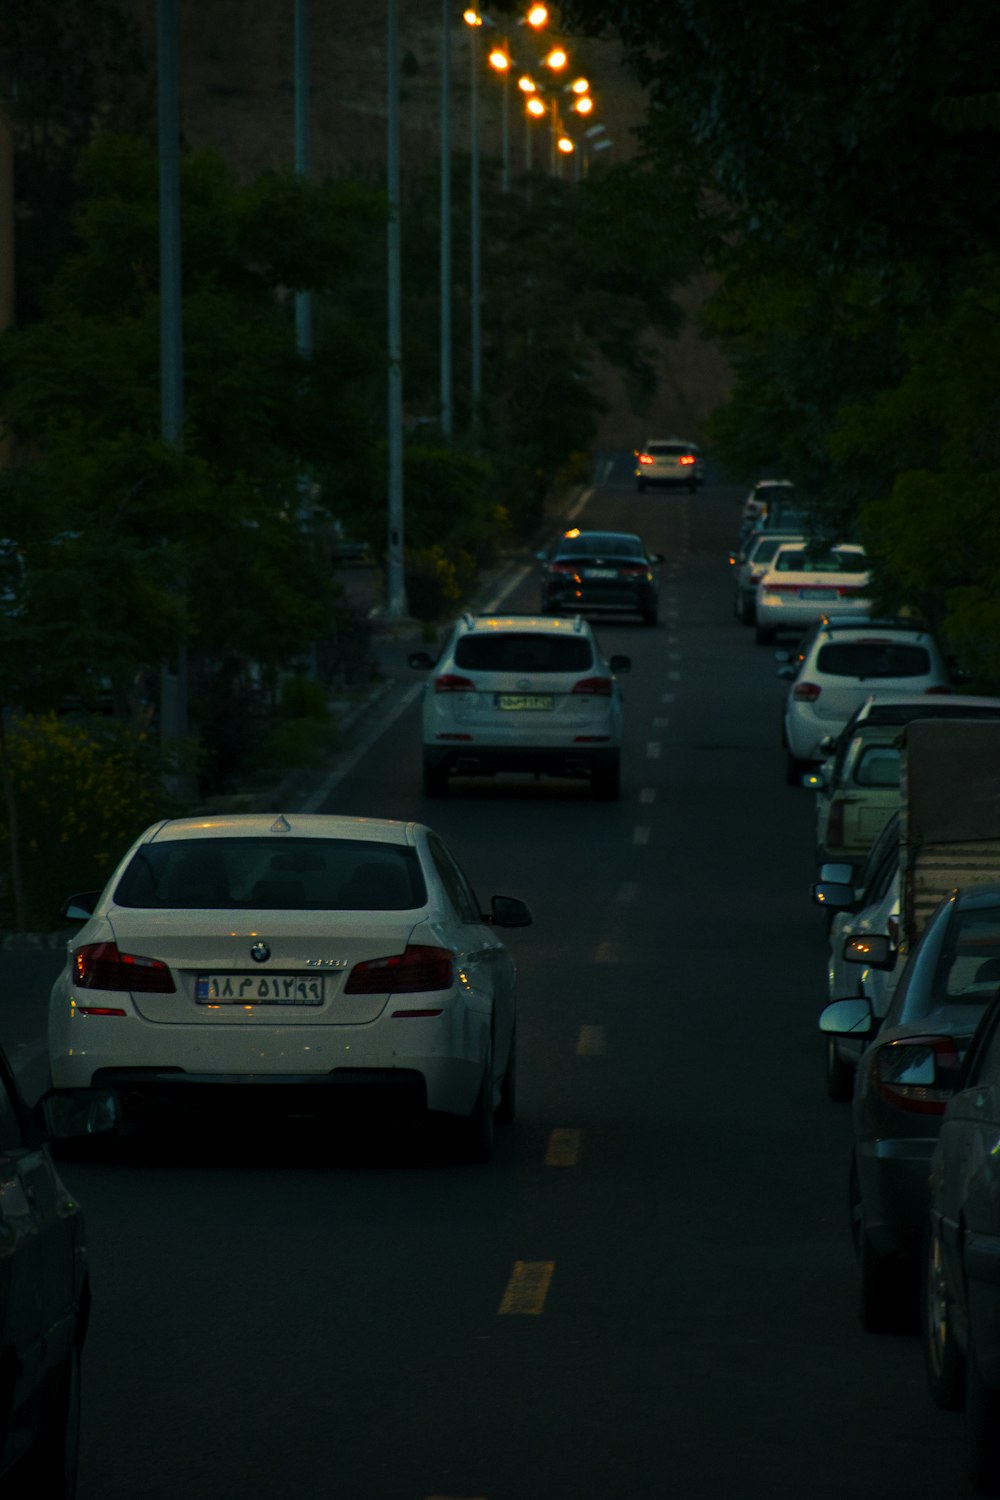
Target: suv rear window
[
  {"x": 873, "y": 659},
  {"x": 667, "y": 450},
  {"x": 523, "y": 652}
]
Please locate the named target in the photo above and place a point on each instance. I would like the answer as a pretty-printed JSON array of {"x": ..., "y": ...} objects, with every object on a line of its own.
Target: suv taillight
[
  {"x": 563, "y": 567},
  {"x": 596, "y": 686},
  {"x": 418, "y": 968},
  {"x": 100, "y": 966},
  {"x": 449, "y": 682},
  {"x": 686, "y": 458},
  {"x": 806, "y": 692}
]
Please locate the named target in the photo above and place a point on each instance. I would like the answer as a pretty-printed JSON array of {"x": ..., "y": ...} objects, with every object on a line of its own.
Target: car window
[
  {"x": 873, "y": 659},
  {"x": 460, "y": 892},
  {"x": 523, "y": 651},
  {"x": 609, "y": 546},
  {"x": 828, "y": 562},
  {"x": 252, "y": 874},
  {"x": 667, "y": 450},
  {"x": 958, "y": 963},
  {"x": 877, "y": 766}
]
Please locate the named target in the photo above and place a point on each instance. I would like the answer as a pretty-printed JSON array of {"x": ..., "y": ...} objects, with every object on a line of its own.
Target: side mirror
[
  {"x": 787, "y": 672},
  {"x": 848, "y": 1018},
  {"x": 621, "y": 664},
  {"x": 542, "y": 556},
  {"x": 873, "y": 949},
  {"x": 420, "y": 660},
  {"x": 783, "y": 656},
  {"x": 840, "y": 874},
  {"x": 508, "y": 911},
  {"x": 69, "y": 1115},
  {"x": 814, "y": 781},
  {"x": 80, "y": 908},
  {"x": 833, "y": 895}
]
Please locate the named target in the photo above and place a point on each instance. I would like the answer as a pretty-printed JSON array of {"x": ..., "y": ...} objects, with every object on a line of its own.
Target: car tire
[
  {"x": 605, "y": 781},
  {"x": 50, "y": 1469},
  {"x": 435, "y": 779},
  {"x": 506, "y": 1110},
  {"x": 983, "y": 1420},
  {"x": 640, "y": 486},
  {"x": 943, "y": 1360},
  {"x": 746, "y": 613},
  {"x": 839, "y": 1074},
  {"x": 479, "y": 1129},
  {"x": 693, "y": 489},
  {"x": 764, "y": 635},
  {"x": 887, "y": 1302}
]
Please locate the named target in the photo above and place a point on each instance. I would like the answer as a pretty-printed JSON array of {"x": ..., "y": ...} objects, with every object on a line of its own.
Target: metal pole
[
  {"x": 474, "y": 270},
  {"x": 446, "y": 381},
  {"x": 303, "y": 300},
  {"x": 395, "y": 578}
]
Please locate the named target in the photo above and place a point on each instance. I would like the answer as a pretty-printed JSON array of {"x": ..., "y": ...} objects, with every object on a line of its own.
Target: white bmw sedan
[{"x": 308, "y": 963}]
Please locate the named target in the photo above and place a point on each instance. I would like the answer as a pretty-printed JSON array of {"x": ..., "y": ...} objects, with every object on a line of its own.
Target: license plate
[
  {"x": 260, "y": 989},
  {"x": 820, "y": 595},
  {"x": 600, "y": 572},
  {"x": 524, "y": 700}
]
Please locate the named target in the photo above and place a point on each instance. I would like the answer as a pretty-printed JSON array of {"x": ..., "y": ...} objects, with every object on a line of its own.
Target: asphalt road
[{"x": 651, "y": 1291}]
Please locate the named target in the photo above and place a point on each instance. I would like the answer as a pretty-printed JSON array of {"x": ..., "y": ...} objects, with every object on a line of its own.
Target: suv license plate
[{"x": 524, "y": 700}]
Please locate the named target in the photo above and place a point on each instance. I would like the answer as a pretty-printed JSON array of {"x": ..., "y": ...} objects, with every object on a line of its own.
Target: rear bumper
[
  {"x": 617, "y": 599},
  {"x": 393, "y": 1094},
  {"x": 487, "y": 760}
]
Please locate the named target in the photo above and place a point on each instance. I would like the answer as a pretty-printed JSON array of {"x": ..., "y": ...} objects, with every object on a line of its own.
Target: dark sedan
[{"x": 610, "y": 572}]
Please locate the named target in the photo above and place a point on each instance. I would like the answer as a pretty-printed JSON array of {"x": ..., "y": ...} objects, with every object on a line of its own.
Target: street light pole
[
  {"x": 445, "y": 250},
  {"x": 476, "y": 382},
  {"x": 395, "y": 578},
  {"x": 303, "y": 300}
]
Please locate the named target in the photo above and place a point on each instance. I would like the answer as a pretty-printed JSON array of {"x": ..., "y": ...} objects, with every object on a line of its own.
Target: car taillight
[
  {"x": 100, "y": 966},
  {"x": 917, "y": 1073},
  {"x": 416, "y": 969},
  {"x": 686, "y": 458},
  {"x": 847, "y": 591},
  {"x": 563, "y": 567},
  {"x": 633, "y": 570},
  {"x": 941, "y": 689},
  {"x": 835, "y": 825},
  {"x": 597, "y": 686},
  {"x": 449, "y": 682},
  {"x": 806, "y": 692},
  {"x": 644, "y": 458}
]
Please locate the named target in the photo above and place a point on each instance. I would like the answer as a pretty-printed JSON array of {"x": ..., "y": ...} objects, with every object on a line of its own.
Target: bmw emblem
[{"x": 260, "y": 953}]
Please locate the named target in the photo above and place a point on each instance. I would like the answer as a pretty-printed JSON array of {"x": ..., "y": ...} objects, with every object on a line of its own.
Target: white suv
[
  {"x": 522, "y": 693},
  {"x": 837, "y": 665}
]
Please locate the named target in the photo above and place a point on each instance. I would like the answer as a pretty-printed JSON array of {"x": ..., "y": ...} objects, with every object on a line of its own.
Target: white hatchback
[
  {"x": 310, "y": 964},
  {"x": 522, "y": 693}
]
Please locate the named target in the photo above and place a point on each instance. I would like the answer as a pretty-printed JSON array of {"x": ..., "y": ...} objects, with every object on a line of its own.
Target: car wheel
[
  {"x": 605, "y": 782},
  {"x": 887, "y": 1303},
  {"x": 839, "y": 1074},
  {"x": 983, "y": 1417},
  {"x": 435, "y": 779},
  {"x": 507, "y": 1108},
  {"x": 746, "y": 611},
  {"x": 942, "y": 1358},
  {"x": 764, "y": 635},
  {"x": 50, "y": 1468},
  {"x": 640, "y": 486},
  {"x": 479, "y": 1130},
  {"x": 693, "y": 489}
]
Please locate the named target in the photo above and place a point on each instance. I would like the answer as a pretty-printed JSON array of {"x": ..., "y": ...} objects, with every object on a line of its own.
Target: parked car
[
  {"x": 602, "y": 571},
  {"x": 904, "y": 1079},
  {"x": 801, "y": 585},
  {"x": 961, "y": 1283},
  {"x": 764, "y": 495},
  {"x": 44, "y": 1289},
  {"x": 835, "y": 668},
  {"x": 522, "y": 693},
  {"x": 889, "y": 708},
  {"x": 310, "y": 963},
  {"x": 857, "y": 795},
  {"x": 669, "y": 461},
  {"x": 750, "y": 564}
]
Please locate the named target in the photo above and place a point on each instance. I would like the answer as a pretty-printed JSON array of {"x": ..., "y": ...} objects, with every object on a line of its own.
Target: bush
[{"x": 81, "y": 791}]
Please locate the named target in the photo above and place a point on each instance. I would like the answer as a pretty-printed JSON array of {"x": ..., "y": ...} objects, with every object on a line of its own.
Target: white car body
[
  {"x": 750, "y": 564},
  {"x": 798, "y": 588},
  {"x": 669, "y": 461},
  {"x": 340, "y": 957},
  {"x": 522, "y": 693}
]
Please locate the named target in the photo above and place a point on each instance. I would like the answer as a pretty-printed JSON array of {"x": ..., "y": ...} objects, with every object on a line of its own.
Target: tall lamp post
[
  {"x": 445, "y": 246},
  {"x": 474, "y": 20},
  {"x": 395, "y": 607}
]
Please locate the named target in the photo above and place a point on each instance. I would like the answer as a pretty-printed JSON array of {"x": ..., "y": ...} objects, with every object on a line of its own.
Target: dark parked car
[
  {"x": 44, "y": 1294},
  {"x": 606, "y": 571},
  {"x": 961, "y": 1279},
  {"x": 903, "y": 1083}
]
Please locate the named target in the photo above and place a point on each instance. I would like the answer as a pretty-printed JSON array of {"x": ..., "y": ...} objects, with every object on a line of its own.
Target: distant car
[
  {"x": 44, "y": 1290},
  {"x": 904, "y": 1080},
  {"x": 601, "y": 571},
  {"x": 837, "y": 665},
  {"x": 961, "y": 1285},
  {"x": 803, "y": 584},
  {"x": 313, "y": 964},
  {"x": 766, "y": 493},
  {"x": 522, "y": 693},
  {"x": 669, "y": 461},
  {"x": 750, "y": 563}
]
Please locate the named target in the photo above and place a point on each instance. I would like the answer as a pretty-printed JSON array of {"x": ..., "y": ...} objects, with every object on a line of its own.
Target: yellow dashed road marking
[{"x": 527, "y": 1288}]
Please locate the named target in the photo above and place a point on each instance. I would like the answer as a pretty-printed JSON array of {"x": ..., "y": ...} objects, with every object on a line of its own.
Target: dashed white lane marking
[
  {"x": 669, "y": 698},
  {"x": 660, "y": 723},
  {"x": 590, "y": 1042},
  {"x": 653, "y": 750},
  {"x": 641, "y": 835},
  {"x": 673, "y": 676},
  {"x": 647, "y": 794}
]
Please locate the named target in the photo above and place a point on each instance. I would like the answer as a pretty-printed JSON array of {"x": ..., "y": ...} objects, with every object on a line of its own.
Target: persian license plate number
[
  {"x": 819, "y": 595},
  {"x": 519, "y": 701},
  {"x": 260, "y": 989},
  {"x": 600, "y": 572}
]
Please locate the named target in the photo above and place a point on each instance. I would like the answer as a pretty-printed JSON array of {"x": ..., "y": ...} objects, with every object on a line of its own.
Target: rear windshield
[
  {"x": 826, "y": 562},
  {"x": 523, "y": 652},
  {"x": 668, "y": 450},
  {"x": 873, "y": 659},
  {"x": 255, "y": 875},
  {"x": 594, "y": 542},
  {"x": 878, "y": 766}
]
